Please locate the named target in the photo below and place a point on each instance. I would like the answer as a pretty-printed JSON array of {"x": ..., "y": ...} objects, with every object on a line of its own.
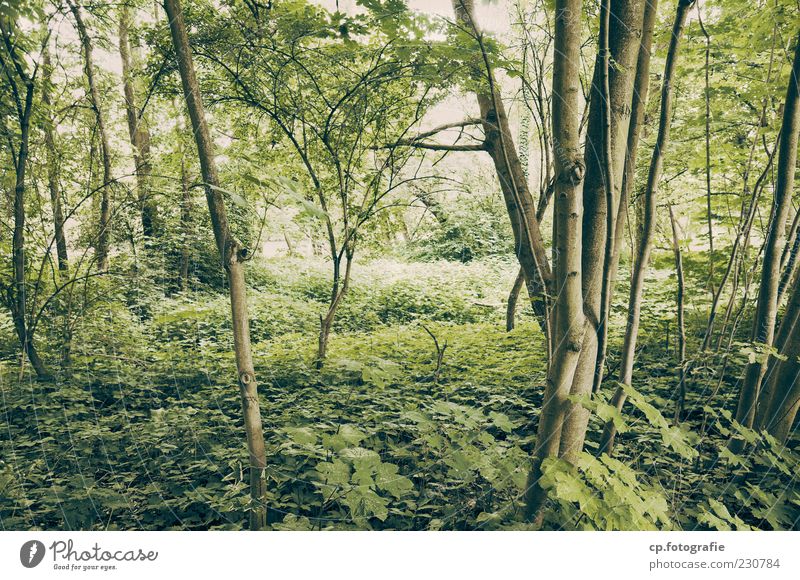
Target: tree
[
  {"x": 345, "y": 108},
  {"x": 607, "y": 132},
  {"x": 104, "y": 228},
  {"x": 776, "y": 399},
  {"x": 498, "y": 142},
  {"x": 232, "y": 256},
  {"x": 137, "y": 128},
  {"x": 20, "y": 88},
  {"x": 568, "y": 318},
  {"x": 53, "y": 168},
  {"x": 767, "y": 303},
  {"x": 648, "y": 233}
]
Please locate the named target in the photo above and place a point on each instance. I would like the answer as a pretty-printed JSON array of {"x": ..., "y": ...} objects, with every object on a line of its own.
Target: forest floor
[{"x": 146, "y": 433}]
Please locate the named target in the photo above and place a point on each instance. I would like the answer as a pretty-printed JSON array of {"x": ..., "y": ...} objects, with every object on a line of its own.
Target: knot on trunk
[
  {"x": 236, "y": 252},
  {"x": 246, "y": 377},
  {"x": 573, "y": 172}
]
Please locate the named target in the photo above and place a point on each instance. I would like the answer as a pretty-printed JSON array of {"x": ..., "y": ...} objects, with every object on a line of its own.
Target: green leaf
[
  {"x": 501, "y": 421},
  {"x": 335, "y": 472},
  {"x": 302, "y": 435}
]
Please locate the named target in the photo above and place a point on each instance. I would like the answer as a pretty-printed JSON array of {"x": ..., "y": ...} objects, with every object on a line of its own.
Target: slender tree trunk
[
  {"x": 641, "y": 90},
  {"x": 232, "y": 256},
  {"x": 186, "y": 201},
  {"x": 623, "y": 41},
  {"x": 528, "y": 243},
  {"x": 789, "y": 258},
  {"x": 680, "y": 400},
  {"x": 743, "y": 234},
  {"x": 53, "y": 166},
  {"x": 137, "y": 128},
  {"x": 20, "y": 303},
  {"x": 186, "y": 225},
  {"x": 604, "y": 58},
  {"x": 648, "y": 231},
  {"x": 707, "y": 95},
  {"x": 104, "y": 231},
  {"x": 568, "y": 319},
  {"x": 341, "y": 283},
  {"x": 513, "y": 296},
  {"x": 519, "y": 281},
  {"x": 22, "y": 89},
  {"x": 767, "y": 306}
]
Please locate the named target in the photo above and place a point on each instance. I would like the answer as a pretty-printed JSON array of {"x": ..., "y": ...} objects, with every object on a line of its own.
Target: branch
[
  {"x": 440, "y": 128},
  {"x": 434, "y": 146}
]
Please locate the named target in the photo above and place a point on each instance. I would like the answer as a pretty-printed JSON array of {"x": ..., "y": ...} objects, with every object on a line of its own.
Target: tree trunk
[
  {"x": 707, "y": 98},
  {"x": 568, "y": 319},
  {"x": 22, "y": 89},
  {"x": 186, "y": 225},
  {"x": 789, "y": 258},
  {"x": 609, "y": 257},
  {"x": 53, "y": 166},
  {"x": 766, "y": 308},
  {"x": 104, "y": 231},
  {"x": 624, "y": 41},
  {"x": 513, "y": 296},
  {"x": 232, "y": 256},
  {"x": 746, "y": 221},
  {"x": 528, "y": 243},
  {"x": 680, "y": 400},
  {"x": 648, "y": 230},
  {"x": 519, "y": 281},
  {"x": 137, "y": 129},
  {"x": 778, "y": 403},
  {"x": 186, "y": 202},
  {"x": 641, "y": 90},
  {"x": 339, "y": 289}
]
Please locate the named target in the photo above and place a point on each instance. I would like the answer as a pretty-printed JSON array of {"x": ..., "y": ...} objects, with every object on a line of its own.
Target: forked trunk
[
  {"x": 624, "y": 25},
  {"x": 528, "y": 243}
]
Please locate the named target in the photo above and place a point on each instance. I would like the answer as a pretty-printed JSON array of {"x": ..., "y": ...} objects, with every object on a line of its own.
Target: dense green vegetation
[{"x": 357, "y": 320}]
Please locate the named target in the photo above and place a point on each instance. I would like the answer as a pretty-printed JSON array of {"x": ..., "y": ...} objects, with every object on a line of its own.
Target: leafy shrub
[{"x": 477, "y": 227}]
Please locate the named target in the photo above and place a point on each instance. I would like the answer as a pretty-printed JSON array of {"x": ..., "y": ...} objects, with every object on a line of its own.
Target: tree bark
[
  {"x": 776, "y": 383},
  {"x": 232, "y": 255},
  {"x": 641, "y": 91},
  {"x": 766, "y": 309},
  {"x": 528, "y": 243},
  {"x": 624, "y": 41},
  {"x": 680, "y": 400},
  {"x": 513, "y": 297},
  {"x": 568, "y": 319},
  {"x": 23, "y": 89},
  {"x": 778, "y": 404},
  {"x": 53, "y": 166},
  {"x": 648, "y": 230},
  {"x": 707, "y": 98},
  {"x": 186, "y": 225},
  {"x": 104, "y": 231},
  {"x": 137, "y": 129},
  {"x": 341, "y": 283}
]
